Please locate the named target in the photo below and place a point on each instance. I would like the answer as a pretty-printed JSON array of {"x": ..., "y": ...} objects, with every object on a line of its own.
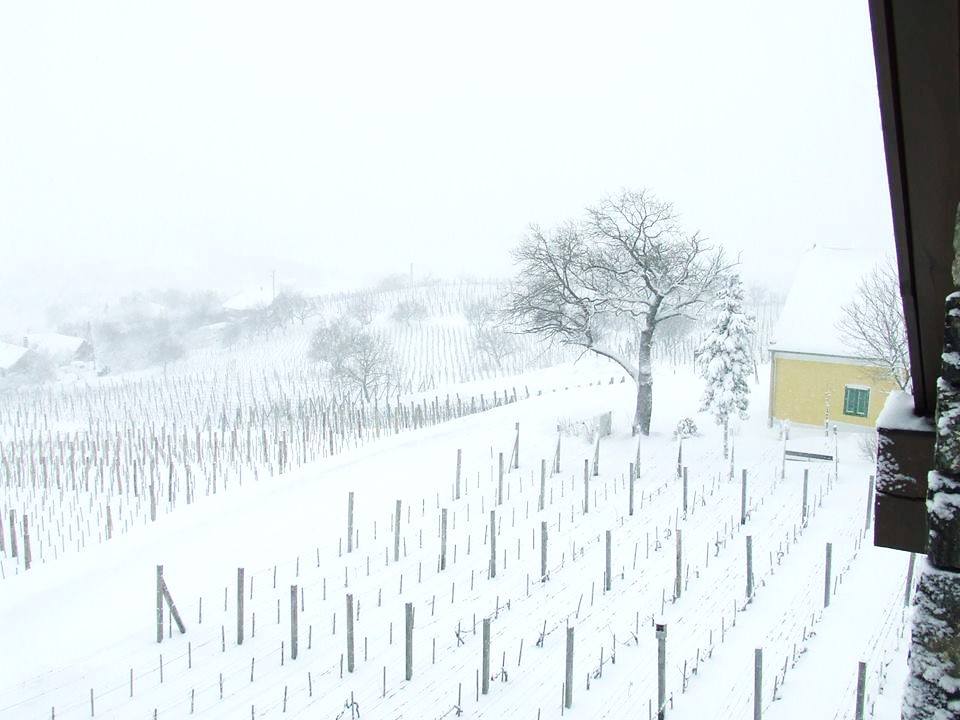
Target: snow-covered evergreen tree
[{"x": 725, "y": 359}]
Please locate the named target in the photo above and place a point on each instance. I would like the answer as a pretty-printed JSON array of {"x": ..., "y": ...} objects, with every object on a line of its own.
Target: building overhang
[{"x": 917, "y": 54}]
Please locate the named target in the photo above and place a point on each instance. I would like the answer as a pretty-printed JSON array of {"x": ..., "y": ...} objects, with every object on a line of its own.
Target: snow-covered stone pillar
[{"x": 933, "y": 686}]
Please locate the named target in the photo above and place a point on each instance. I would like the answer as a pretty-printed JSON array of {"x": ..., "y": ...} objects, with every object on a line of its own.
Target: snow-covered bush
[
  {"x": 867, "y": 445},
  {"x": 585, "y": 429},
  {"x": 686, "y": 428}
]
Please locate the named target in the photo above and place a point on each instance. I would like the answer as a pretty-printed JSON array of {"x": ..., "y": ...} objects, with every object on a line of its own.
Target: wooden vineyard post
[
  {"x": 163, "y": 595},
  {"x": 443, "y": 539},
  {"x": 543, "y": 551},
  {"x": 408, "y": 623},
  {"x": 861, "y": 689},
  {"x": 743, "y": 497},
  {"x": 607, "y": 571},
  {"x": 632, "y": 478},
  {"x": 757, "y": 682},
  {"x": 27, "y": 557},
  {"x": 396, "y": 534},
  {"x": 293, "y": 622},
  {"x": 13, "y": 533},
  {"x": 661, "y": 671},
  {"x": 173, "y": 609},
  {"x": 239, "y": 606},
  {"x": 408, "y": 635},
  {"x": 586, "y": 486},
  {"x": 456, "y": 491},
  {"x": 910, "y": 567},
  {"x": 159, "y": 603},
  {"x": 349, "y": 632},
  {"x": 568, "y": 672},
  {"x": 486, "y": 657},
  {"x": 826, "y": 576},
  {"x": 350, "y": 522},
  {"x": 749, "y": 567},
  {"x": 556, "y": 456},
  {"x": 500, "y": 479},
  {"x": 806, "y": 484},
  {"x": 684, "y": 491},
  {"x": 596, "y": 457},
  {"x": 493, "y": 543},
  {"x": 516, "y": 449},
  {"x": 678, "y": 583},
  {"x": 543, "y": 483}
]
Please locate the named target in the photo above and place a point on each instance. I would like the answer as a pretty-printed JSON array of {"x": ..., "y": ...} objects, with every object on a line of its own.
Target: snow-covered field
[{"x": 79, "y": 632}]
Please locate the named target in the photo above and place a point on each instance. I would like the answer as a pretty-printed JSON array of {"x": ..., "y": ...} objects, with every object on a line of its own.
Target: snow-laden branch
[{"x": 618, "y": 359}]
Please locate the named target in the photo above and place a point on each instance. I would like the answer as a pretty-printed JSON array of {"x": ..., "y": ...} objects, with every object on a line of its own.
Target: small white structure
[
  {"x": 61, "y": 349},
  {"x": 14, "y": 358},
  {"x": 248, "y": 300}
]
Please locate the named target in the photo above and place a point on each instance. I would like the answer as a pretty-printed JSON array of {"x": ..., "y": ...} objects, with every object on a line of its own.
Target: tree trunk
[
  {"x": 641, "y": 419},
  {"x": 726, "y": 436}
]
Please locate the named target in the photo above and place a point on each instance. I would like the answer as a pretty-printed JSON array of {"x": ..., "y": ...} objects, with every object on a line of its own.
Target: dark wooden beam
[{"x": 917, "y": 55}]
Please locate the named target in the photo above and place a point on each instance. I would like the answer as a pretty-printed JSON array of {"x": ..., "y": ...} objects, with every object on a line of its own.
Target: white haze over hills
[{"x": 203, "y": 145}]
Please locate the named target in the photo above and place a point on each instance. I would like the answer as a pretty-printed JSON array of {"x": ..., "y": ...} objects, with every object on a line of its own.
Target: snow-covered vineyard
[
  {"x": 84, "y": 461},
  {"x": 395, "y": 361},
  {"x": 540, "y": 557}
]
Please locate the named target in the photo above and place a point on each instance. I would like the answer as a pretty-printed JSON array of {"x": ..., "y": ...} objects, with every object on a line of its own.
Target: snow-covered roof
[
  {"x": 10, "y": 355},
  {"x": 250, "y": 300},
  {"x": 826, "y": 279},
  {"x": 60, "y": 348}
]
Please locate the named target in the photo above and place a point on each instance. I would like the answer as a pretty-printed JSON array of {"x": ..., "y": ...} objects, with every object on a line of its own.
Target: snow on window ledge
[{"x": 897, "y": 414}]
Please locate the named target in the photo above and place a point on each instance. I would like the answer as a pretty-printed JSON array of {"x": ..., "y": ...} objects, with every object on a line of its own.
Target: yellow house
[{"x": 815, "y": 377}]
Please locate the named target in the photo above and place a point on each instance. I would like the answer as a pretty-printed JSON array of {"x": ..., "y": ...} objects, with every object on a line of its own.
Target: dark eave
[{"x": 917, "y": 53}]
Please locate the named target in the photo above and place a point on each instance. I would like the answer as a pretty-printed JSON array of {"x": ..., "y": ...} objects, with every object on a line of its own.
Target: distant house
[
  {"x": 249, "y": 301},
  {"x": 15, "y": 359},
  {"x": 815, "y": 377},
  {"x": 61, "y": 349}
]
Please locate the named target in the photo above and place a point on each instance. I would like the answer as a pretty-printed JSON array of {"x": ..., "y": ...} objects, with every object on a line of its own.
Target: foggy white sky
[{"x": 194, "y": 143}]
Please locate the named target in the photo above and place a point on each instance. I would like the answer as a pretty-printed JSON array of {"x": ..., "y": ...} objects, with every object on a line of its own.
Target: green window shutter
[{"x": 856, "y": 401}]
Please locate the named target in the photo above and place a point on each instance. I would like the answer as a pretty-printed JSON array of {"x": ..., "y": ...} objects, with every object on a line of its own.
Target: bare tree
[
  {"x": 873, "y": 323},
  {"x": 628, "y": 261},
  {"x": 487, "y": 332},
  {"x": 408, "y": 311},
  {"x": 362, "y": 308},
  {"x": 297, "y": 305},
  {"x": 165, "y": 350},
  {"x": 357, "y": 362},
  {"x": 279, "y": 312}
]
